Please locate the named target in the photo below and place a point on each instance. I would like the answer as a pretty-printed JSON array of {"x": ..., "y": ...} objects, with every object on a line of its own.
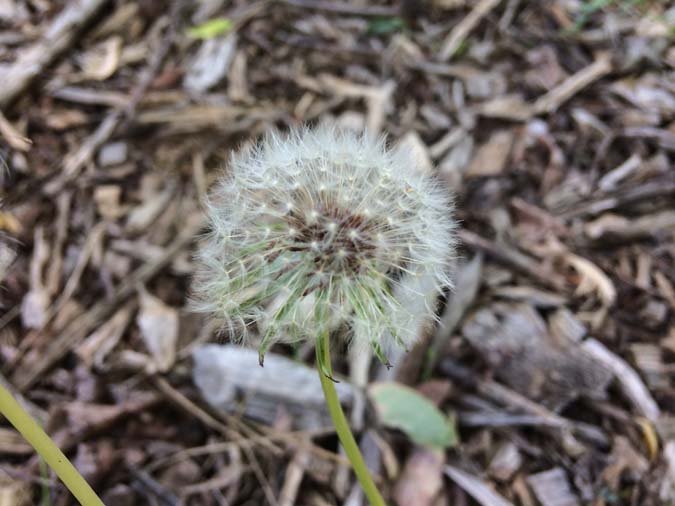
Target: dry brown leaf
[
  {"x": 107, "y": 198},
  {"x": 593, "y": 279},
  {"x": 101, "y": 61},
  {"x": 96, "y": 346},
  {"x": 142, "y": 216},
  {"x": 491, "y": 157},
  {"x": 413, "y": 143},
  {"x": 35, "y": 303},
  {"x": 159, "y": 329},
  {"x": 9, "y": 223},
  {"x": 15, "y": 492},
  {"x": 12, "y": 135},
  {"x": 422, "y": 478}
]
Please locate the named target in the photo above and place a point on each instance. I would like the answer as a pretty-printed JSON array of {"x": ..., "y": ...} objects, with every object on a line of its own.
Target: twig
[
  {"x": 572, "y": 85},
  {"x": 60, "y": 35},
  {"x": 192, "y": 409},
  {"x": 664, "y": 137},
  {"x": 294, "y": 473},
  {"x": 290, "y": 438},
  {"x": 183, "y": 402},
  {"x": 621, "y": 198},
  {"x": 147, "y": 483},
  {"x": 459, "y": 32},
  {"x": 344, "y": 8},
  {"x": 512, "y": 257}
]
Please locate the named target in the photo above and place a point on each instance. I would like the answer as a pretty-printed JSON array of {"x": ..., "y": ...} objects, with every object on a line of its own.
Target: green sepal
[
  {"x": 379, "y": 353},
  {"x": 264, "y": 347},
  {"x": 322, "y": 357}
]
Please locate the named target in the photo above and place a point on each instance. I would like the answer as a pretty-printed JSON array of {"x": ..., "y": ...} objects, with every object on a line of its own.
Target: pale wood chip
[
  {"x": 476, "y": 488},
  {"x": 628, "y": 379},
  {"x": 552, "y": 488}
]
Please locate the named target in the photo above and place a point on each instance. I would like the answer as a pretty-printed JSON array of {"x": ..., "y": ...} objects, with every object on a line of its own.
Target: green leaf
[
  {"x": 381, "y": 26},
  {"x": 211, "y": 28},
  {"x": 402, "y": 408}
]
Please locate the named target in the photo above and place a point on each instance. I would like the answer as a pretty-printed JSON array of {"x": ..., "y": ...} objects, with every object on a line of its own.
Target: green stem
[
  {"x": 341, "y": 425},
  {"x": 47, "y": 449}
]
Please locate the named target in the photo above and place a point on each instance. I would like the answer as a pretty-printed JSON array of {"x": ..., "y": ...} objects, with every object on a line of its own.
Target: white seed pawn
[{"x": 323, "y": 230}]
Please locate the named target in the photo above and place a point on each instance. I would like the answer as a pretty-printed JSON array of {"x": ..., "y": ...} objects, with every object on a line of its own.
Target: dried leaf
[
  {"x": 159, "y": 329},
  {"x": 142, "y": 216},
  {"x": 101, "y": 62},
  {"x": 422, "y": 478},
  {"x": 490, "y": 158},
  {"x": 107, "y": 198},
  {"x": 36, "y": 302},
  {"x": 15, "y": 492},
  {"x": 413, "y": 143},
  {"x": 592, "y": 279},
  {"x": 96, "y": 346}
]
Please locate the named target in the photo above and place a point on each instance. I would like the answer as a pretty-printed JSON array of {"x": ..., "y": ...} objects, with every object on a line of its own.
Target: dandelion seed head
[{"x": 323, "y": 229}]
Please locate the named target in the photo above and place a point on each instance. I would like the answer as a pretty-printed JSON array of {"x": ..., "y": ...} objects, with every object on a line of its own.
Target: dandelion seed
[{"x": 321, "y": 230}]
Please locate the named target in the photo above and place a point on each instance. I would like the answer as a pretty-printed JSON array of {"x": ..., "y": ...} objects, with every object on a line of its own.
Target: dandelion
[
  {"x": 326, "y": 233},
  {"x": 321, "y": 230}
]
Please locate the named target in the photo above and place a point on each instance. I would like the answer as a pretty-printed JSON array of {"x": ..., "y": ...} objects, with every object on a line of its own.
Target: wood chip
[
  {"x": 505, "y": 462},
  {"x": 476, "y": 488},
  {"x": 224, "y": 373},
  {"x": 629, "y": 381},
  {"x": 552, "y": 488},
  {"x": 211, "y": 63}
]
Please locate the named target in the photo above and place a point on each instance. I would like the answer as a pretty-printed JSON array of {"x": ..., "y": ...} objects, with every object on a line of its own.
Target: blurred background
[{"x": 548, "y": 379}]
